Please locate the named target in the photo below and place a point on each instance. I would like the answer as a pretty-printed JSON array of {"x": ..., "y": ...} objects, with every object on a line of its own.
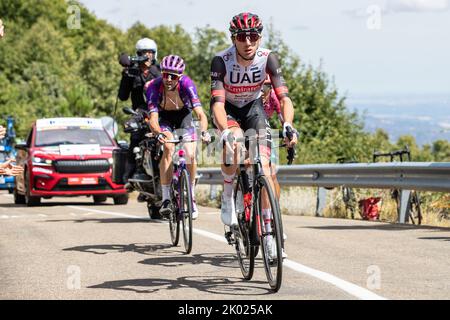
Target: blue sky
[{"x": 370, "y": 47}]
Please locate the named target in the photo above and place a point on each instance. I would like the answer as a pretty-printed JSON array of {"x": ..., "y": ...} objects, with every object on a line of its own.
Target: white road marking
[
  {"x": 111, "y": 213},
  {"x": 4, "y": 216},
  {"x": 350, "y": 288}
]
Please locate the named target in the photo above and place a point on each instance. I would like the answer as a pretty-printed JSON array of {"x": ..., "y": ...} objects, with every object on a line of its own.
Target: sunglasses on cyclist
[
  {"x": 252, "y": 36},
  {"x": 173, "y": 76}
]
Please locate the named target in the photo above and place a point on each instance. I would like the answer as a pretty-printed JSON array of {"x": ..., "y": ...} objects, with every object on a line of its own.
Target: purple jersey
[{"x": 186, "y": 90}]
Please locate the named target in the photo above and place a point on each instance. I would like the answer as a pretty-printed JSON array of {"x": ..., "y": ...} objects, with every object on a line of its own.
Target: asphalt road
[{"x": 69, "y": 248}]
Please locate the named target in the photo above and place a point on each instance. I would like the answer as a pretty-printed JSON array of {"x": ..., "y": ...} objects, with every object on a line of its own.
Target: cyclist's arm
[
  {"x": 218, "y": 71},
  {"x": 279, "y": 84},
  {"x": 201, "y": 116},
  {"x": 195, "y": 104},
  {"x": 154, "y": 123},
  {"x": 276, "y": 103},
  {"x": 152, "y": 95},
  {"x": 126, "y": 84}
]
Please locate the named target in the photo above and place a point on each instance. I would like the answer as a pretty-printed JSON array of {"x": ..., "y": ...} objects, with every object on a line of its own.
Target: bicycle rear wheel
[
  {"x": 186, "y": 210},
  {"x": 244, "y": 250},
  {"x": 271, "y": 240}
]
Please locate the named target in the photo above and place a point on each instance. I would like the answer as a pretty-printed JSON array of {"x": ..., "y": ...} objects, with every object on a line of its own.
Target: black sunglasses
[{"x": 252, "y": 36}]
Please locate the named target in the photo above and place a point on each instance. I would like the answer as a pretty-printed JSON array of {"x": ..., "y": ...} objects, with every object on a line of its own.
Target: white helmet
[{"x": 147, "y": 44}]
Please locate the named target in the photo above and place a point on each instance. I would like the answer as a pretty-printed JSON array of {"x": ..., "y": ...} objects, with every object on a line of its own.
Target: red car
[{"x": 67, "y": 157}]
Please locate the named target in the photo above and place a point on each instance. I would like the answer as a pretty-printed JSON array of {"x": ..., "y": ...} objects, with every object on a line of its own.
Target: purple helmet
[{"x": 173, "y": 63}]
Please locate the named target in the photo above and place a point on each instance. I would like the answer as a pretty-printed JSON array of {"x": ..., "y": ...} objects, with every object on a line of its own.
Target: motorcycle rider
[{"x": 132, "y": 83}]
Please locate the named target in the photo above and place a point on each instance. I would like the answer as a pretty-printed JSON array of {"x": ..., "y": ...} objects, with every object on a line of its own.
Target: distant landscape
[{"x": 426, "y": 117}]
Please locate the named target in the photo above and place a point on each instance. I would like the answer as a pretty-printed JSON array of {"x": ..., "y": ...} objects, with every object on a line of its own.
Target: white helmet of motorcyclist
[{"x": 147, "y": 44}]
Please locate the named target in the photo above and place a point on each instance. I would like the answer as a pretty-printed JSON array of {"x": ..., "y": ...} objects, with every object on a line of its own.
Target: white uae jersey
[{"x": 243, "y": 84}]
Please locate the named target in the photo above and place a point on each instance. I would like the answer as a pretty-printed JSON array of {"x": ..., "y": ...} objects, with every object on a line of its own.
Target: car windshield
[{"x": 72, "y": 135}]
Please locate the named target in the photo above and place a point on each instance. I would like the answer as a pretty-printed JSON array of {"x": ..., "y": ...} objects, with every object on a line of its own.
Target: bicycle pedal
[{"x": 229, "y": 237}]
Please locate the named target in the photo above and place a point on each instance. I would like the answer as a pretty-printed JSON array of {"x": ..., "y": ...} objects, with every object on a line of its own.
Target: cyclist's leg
[
  {"x": 187, "y": 131},
  {"x": 166, "y": 168},
  {"x": 256, "y": 119},
  {"x": 229, "y": 167}
]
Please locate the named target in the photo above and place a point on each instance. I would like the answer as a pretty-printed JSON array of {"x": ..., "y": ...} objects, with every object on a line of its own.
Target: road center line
[{"x": 350, "y": 288}]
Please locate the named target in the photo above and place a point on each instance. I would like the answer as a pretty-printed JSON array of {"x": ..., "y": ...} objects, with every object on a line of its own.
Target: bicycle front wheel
[
  {"x": 174, "y": 223},
  {"x": 186, "y": 209},
  {"x": 270, "y": 232},
  {"x": 244, "y": 250}
]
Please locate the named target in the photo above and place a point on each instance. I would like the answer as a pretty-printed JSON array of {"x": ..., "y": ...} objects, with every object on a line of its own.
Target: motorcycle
[{"x": 146, "y": 179}]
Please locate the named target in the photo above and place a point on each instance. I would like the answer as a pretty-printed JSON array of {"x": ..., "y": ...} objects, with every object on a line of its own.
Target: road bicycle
[
  {"x": 181, "y": 198},
  {"x": 253, "y": 192},
  {"x": 413, "y": 210}
]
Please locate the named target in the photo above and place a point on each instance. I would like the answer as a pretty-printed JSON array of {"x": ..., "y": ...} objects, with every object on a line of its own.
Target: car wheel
[
  {"x": 100, "y": 199},
  {"x": 30, "y": 200},
  {"x": 122, "y": 199}
]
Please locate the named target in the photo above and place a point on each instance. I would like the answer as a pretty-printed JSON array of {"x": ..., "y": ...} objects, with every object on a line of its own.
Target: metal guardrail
[
  {"x": 405, "y": 176},
  {"x": 421, "y": 176}
]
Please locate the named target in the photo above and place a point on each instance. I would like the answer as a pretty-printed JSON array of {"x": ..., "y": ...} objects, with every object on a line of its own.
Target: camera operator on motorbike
[
  {"x": 171, "y": 100},
  {"x": 136, "y": 73}
]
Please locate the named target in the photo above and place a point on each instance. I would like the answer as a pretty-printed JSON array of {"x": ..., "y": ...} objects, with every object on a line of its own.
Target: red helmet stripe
[
  {"x": 239, "y": 23},
  {"x": 246, "y": 20},
  {"x": 253, "y": 22}
]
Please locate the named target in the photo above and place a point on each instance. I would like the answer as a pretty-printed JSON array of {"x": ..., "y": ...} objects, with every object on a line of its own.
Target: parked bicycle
[
  {"x": 348, "y": 195},
  {"x": 413, "y": 210}
]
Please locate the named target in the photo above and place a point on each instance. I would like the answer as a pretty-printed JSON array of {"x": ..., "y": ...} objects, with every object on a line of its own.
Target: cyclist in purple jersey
[{"x": 171, "y": 100}]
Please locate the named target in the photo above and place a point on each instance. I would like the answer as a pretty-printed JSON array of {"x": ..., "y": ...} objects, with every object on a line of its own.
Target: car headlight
[
  {"x": 111, "y": 161},
  {"x": 42, "y": 161}
]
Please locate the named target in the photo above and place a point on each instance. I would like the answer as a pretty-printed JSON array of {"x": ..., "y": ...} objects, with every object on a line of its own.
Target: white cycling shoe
[
  {"x": 194, "y": 210},
  {"x": 271, "y": 248},
  {"x": 228, "y": 211}
]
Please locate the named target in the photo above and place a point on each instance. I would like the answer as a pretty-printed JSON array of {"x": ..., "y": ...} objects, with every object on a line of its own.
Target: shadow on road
[
  {"x": 213, "y": 259},
  {"x": 56, "y": 204},
  {"x": 435, "y": 238},
  {"x": 107, "y": 220},
  {"x": 210, "y": 284},
  {"x": 146, "y": 249}
]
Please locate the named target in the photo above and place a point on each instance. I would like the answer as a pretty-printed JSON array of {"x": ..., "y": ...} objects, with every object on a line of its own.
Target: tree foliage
[{"x": 49, "y": 69}]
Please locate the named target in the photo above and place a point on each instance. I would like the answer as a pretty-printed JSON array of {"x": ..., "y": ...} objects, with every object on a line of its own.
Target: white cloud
[
  {"x": 444, "y": 125},
  {"x": 399, "y": 6},
  {"x": 396, "y": 6}
]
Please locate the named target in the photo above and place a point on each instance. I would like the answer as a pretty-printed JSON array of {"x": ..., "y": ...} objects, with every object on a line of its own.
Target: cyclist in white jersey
[{"x": 237, "y": 76}]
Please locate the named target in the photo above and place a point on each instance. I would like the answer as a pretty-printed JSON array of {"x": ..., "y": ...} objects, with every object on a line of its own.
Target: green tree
[{"x": 441, "y": 151}]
